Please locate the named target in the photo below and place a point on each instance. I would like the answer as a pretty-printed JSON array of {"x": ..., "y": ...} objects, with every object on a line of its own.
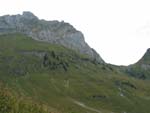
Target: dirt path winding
[{"x": 85, "y": 106}]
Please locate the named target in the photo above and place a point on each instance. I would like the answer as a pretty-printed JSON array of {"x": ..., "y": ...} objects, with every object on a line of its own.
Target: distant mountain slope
[
  {"x": 141, "y": 69},
  {"x": 49, "y": 31},
  {"x": 145, "y": 59}
]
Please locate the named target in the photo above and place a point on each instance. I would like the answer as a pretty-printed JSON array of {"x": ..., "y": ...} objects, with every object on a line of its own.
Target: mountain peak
[
  {"x": 28, "y": 14},
  {"x": 148, "y": 50},
  {"x": 146, "y": 58}
]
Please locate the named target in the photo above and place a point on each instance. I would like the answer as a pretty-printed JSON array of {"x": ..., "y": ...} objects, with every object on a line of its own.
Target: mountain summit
[{"x": 48, "y": 31}]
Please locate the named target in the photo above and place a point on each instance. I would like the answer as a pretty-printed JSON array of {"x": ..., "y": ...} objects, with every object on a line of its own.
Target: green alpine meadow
[{"x": 47, "y": 67}]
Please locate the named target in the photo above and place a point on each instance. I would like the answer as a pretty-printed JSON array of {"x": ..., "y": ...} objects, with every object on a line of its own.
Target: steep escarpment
[{"x": 54, "y": 32}]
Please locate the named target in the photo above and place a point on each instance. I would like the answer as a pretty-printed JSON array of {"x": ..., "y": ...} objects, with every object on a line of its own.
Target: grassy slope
[{"x": 61, "y": 77}]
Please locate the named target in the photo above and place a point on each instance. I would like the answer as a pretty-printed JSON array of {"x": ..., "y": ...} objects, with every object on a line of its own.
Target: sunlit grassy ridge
[{"x": 67, "y": 82}]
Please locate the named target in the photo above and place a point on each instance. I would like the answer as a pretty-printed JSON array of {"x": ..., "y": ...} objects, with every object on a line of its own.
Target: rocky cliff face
[{"x": 49, "y": 31}]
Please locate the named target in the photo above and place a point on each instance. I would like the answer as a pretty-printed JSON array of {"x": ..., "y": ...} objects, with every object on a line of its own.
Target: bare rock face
[{"x": 48, "y": 31}]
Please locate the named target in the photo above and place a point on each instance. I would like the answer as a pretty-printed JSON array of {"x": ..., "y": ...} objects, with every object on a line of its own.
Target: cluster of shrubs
[{"x": 55, "y": 61}]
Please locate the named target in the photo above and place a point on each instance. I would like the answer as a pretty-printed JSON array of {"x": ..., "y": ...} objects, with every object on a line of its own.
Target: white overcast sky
[{"x": 119, "y": 30}]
